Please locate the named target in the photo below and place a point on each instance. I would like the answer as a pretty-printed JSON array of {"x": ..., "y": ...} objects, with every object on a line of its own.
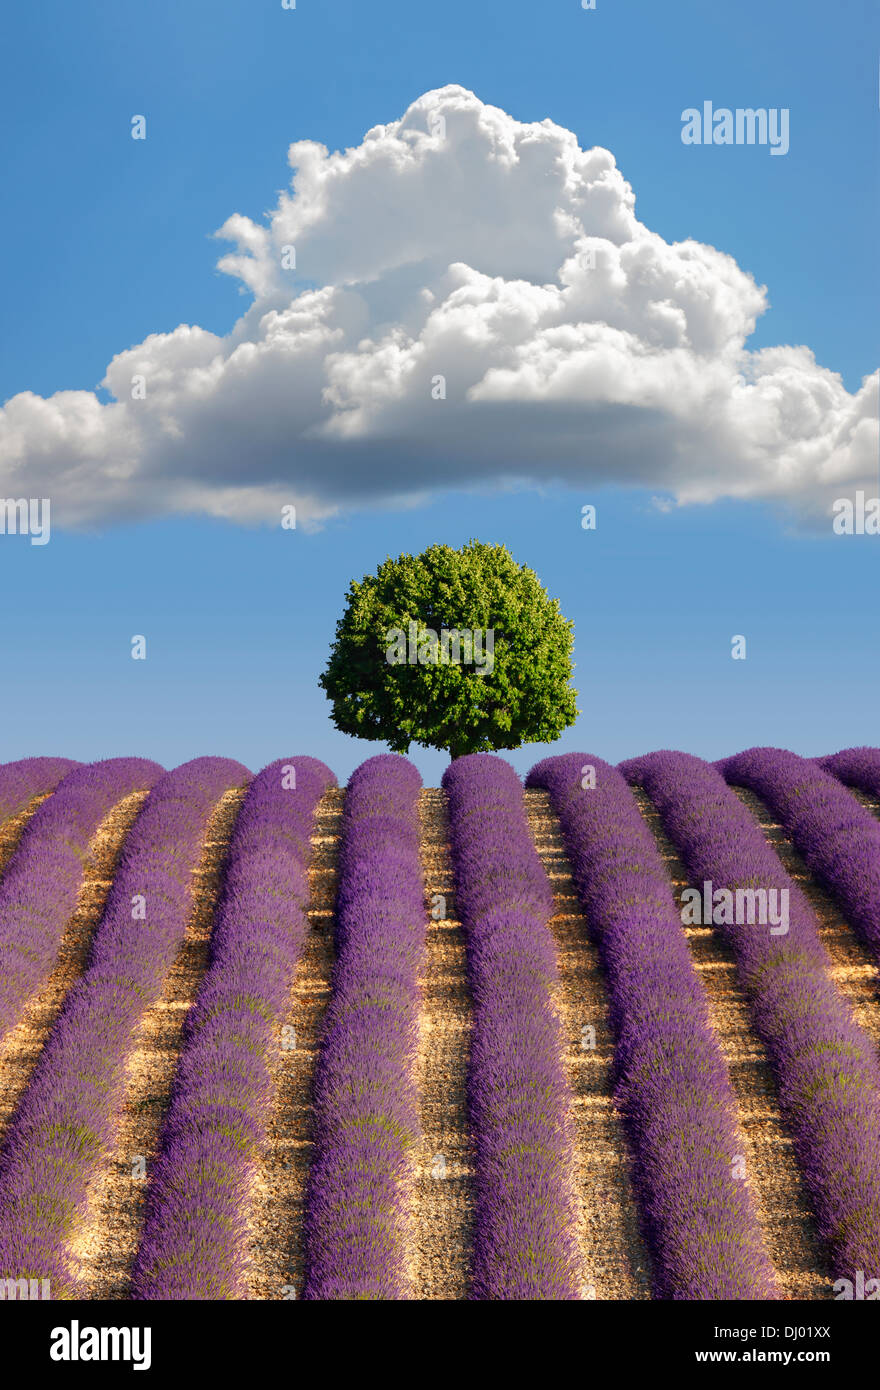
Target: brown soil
[
  {"x": 853, "y": 966},
  {"x": 783, "y": 1206},
  {"x": 615, "y": 1261},
  {"x": 443, "y": 1179},
  {"x": 106, "y": 1241},
  {"x": 277, "y": 1268},
  {"x": 22, "y": 1046},
  {"x": 11, "y": 830},
  {"x": 870, "y": 803}
]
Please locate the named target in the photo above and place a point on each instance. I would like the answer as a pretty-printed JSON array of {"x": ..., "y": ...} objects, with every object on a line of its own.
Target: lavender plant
[
  {"x": 65, "y": 1119},
  {"x": 194, "y": 1242},
  {"x": 21, "y": 781},
  {"x": 39, "y": 888},
  {"x": 672, "y": 1085},
  {"x": 518, "y": 1093},
  {"x": 855, "y": 767},
  {"x": 827, "y": 1076},
  {"x": 838, "y": 838},
  {"x": 365, "y": 1099}
]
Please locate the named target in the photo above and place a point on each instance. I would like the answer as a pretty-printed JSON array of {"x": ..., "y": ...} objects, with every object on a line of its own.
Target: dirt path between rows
[
  {"x": 853, "y": 966},
  {"x": 782, "y": 1203},
  {"x": 22, "y": 1046},
  {"x": 12, "y": 829},
  {"x": 442, "y": 1218},
  {"x": 105, "y": 1243},
  {"x": 616, "y": 1263},
  {"x": 277, "y": 1268}
]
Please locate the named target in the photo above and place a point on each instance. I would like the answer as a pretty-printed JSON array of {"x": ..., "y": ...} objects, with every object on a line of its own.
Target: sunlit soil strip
[
  {"x": 870, "y": 803},
  {"x": 854, "y": 968},
  {"x": 277, "y": 1261},
  {"x": 825, "y": 1068},
  {"x": 838, "y": 838},
  {"x": 443, "y": 1182},
  {"x": 783, "y": 1207},
  {"x": 616, "y": 1262},
  {"x": 22, "y": 1046},
  {"x": 106, "y": 1241},
  {"x": 671, "y": 1081},
  {"x": 12, "y": 829}
]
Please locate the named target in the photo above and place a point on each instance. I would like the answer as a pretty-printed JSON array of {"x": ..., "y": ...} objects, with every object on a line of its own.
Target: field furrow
[
  {"x": 69, "y": 1112},
  {"x": 38, "y": 892},
  {"x": 277, "y": 1266},
  {"x": 366, "y": 1103},
  {"x": 28, "y": 778},
  {"x": 783, "y": 1205},
  {"x": 13, "y": 827},
  {"x": 23, "y": 1045},
  {"x": 443, "y": 1218},
  {"x": 106, "y": 1242},
  {"x": 195, "y": 1240},
  {"x": 615, "y": 1258},
  {"x": 670, "y": 1079},
  {"x": 854, "y": 968},
  {"x": 838, "y": 838},
  {"x": 826, "y": 1072}
]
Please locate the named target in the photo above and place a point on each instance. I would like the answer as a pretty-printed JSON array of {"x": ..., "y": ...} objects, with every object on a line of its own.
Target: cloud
[{"x": 576, "y": 346}]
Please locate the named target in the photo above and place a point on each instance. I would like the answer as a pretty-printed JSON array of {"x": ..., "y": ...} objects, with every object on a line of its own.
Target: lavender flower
[
  {"x": 827, "y": 1076},
  {"x": 39, "y": 889},
  {"x": 518, "y": 1093},
  {"x": 855, "y": 767},
  {"x": 365, "y": 1098},
  {"x": 64, "y": 1121},
  {"x": 21, "y": 781},
  {"x": 195, "y": 1231},
  {"x": 837, "y": 837},
  {"x": 672, "y": 1085}
]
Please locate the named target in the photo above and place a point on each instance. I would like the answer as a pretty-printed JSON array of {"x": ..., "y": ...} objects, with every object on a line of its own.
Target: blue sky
[{"x": 106, "y": 241}]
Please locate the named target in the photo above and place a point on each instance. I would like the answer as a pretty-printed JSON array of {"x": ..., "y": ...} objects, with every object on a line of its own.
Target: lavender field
[{"x": 609, "y": 1035}]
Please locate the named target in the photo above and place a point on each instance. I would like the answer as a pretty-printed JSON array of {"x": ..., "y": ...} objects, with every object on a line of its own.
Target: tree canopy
[{"x": 461, "y": 650}]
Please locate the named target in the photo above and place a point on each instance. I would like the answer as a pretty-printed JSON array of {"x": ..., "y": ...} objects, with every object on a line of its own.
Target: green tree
[{"x": 456, "y": 649}]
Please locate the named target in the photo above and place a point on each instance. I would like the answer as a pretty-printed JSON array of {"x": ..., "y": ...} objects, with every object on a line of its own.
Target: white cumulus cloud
[{"x": 576, "y": 346}]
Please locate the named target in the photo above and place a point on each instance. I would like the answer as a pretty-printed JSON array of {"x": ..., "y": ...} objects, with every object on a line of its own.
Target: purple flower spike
[
  {"x": 855, "y": 767},
  {"x": 518, "y": 1093},
  {"x": 195, "y": 1234},
  {"x": 672, "y": 1085},
  {"x": 827, "y": 1077},
  {"x": 39, "y": 888},
  {"x": 64, "y": 1122},
  {"x": 365, "y": 1095},
  {"x": 21, "y": 781},
  {"x": 838, "y": 838}
]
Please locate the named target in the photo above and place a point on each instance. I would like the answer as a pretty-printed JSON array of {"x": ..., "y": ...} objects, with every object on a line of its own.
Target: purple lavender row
[
  {"x": 855, "y": 767},
  {"x": 672, "y": 1085},
  {"x": 194, "y": 1241},
  {"x": 21, "y": 781},
  {"x": 837, "y": 837},
  {"x": 39, "y": 888},
  {"x": 827, "y": 1077},
  {"x": 365, "y": 1098},
  {"x": 518, "y": 1094},
  {"x": 65, "y": 1119}
]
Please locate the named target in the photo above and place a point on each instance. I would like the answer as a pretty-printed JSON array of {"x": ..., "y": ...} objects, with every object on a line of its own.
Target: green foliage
[{"x": 521, "y": 695}]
